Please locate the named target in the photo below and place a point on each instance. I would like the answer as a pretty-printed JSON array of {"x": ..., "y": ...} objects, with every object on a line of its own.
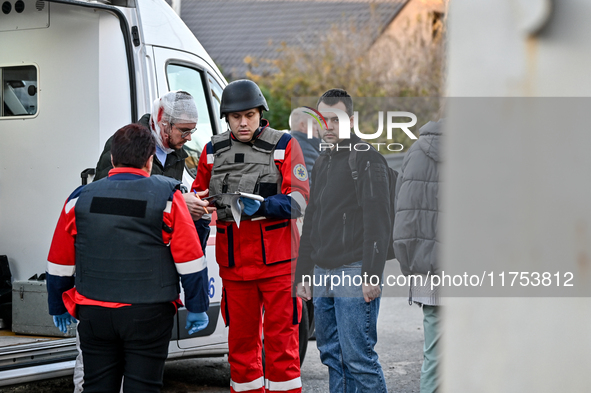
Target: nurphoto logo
[{"x": 343, "y": 123}]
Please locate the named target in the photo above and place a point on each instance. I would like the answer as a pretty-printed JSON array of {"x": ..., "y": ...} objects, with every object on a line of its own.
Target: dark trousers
[{"x": 130, "y": 342}]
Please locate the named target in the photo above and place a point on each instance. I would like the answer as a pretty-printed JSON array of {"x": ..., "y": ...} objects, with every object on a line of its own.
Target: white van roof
[{"x": 163, "y": 27}]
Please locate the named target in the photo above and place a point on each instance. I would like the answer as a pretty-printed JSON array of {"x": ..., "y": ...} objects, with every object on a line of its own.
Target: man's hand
[
  {"x": 250, "y": 205},
  {"x": 196, "y": 205},
  {"x": 303, "y": 291},
  {"x": 63, "y": 321},
  {"x": 371, "y": 292},
  {"x": 196, "y": 321}
]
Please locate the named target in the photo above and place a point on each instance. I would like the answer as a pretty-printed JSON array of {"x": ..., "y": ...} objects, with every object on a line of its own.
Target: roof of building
[{"x": 231, "y": 30}]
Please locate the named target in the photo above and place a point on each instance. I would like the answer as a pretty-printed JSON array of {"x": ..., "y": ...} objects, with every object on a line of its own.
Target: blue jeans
[{"x": 346, "y": 333}]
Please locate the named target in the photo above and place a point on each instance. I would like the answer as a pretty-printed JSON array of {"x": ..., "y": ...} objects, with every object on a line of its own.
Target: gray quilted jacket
[{"x": 416, "y": 243}]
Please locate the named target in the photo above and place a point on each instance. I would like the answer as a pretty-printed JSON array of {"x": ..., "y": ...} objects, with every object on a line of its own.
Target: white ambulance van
[{"x": 72, "y": 73}]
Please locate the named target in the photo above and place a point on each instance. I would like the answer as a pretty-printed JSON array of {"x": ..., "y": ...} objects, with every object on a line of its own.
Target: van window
[
  {"x": 191, "y": 80},
  {"x": 216, "y": 93},
  {"x": 19, "y": 91}
]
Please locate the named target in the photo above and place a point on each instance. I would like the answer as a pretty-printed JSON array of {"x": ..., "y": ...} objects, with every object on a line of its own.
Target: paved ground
[
  {"x": 400, "y": 344},
  {"x": 400, "y": 340}
]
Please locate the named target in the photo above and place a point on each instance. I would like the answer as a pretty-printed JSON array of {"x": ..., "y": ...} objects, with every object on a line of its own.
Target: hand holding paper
[
  {"x": 236, "y": 194},
  {"x": 250, "y": 205},
  {"x": 251, "y": 196}
]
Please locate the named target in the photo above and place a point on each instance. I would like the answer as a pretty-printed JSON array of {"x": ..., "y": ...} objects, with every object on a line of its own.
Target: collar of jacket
[
  {"x": 127, "y": 173},
  {"x": 180, "y": 155}
]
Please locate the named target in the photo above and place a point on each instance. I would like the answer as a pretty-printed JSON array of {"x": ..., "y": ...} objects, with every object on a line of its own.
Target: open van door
[{"x": 177, "y": 70}]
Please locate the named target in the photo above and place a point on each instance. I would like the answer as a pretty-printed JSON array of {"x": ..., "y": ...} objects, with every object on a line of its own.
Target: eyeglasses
[{"x": 184, "y": 133}]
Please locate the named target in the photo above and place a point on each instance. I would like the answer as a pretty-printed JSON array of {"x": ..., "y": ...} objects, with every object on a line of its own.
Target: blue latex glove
[
  {"x": 196, "y": 321},
  {"x": 250, "y": 205},
  {"x": 63, "y": 321}
]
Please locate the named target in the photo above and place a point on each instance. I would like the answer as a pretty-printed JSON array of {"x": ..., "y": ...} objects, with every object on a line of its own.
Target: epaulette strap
[
  {"x": 221, "y": 142},
  {"x": 267, "y": 140},
  {"x": 263, "y": 145}
]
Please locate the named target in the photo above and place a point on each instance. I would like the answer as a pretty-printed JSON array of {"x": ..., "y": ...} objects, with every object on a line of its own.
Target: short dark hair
[
  {"x": 132, "y": 146},
  {"x": 334, "y": 96}
]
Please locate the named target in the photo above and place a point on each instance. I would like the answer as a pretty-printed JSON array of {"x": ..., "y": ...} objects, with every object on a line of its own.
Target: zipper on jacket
[
  {"x": 344, "y": 227},
  {"x": 368, "y": 169},
  {"x": 373, "y": 255},
  {"x": 375, "y": 251}
]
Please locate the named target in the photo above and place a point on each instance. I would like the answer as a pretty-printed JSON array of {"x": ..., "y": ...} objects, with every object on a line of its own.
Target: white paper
[{"x": 236, "y": 209}]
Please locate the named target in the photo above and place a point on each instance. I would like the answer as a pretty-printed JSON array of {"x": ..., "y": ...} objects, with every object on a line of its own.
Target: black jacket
[
  {"x": 173, "y": 167},
  {"x": 341, "y": 227}
]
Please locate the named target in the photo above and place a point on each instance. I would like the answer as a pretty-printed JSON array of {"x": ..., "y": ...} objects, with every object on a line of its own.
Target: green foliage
[{"x": 279, "y": 110}]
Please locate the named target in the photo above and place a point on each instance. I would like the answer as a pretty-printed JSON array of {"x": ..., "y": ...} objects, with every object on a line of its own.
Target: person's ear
[
  {"x": 303, "y": 126},
  {"x": 112, "y": 161},
  {"x": 149, "y": 163}
]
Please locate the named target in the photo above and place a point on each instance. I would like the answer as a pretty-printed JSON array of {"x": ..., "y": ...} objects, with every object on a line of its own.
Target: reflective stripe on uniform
[
  {"x": 283, "y": 386},
  {"x": 168, "y": 207},
  {"x": 299, "y": 198},
  {"x": 279, "y": 154},
  {"x": 193, "y": 266},
  {"x": 60, "y": 270},
  {"x": 246, "y": 386},
  {"x": 210, "y": 158},
  {"x": 71, "y": 203}
]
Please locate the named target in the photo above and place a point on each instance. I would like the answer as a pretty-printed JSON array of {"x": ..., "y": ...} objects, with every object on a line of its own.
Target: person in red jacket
[
  {"x": 124, "y": 241},
  {"x": 257, "y": 255}
]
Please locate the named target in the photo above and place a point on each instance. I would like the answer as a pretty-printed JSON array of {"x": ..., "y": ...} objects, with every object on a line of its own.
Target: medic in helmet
[{"x": 257, "y": 257}]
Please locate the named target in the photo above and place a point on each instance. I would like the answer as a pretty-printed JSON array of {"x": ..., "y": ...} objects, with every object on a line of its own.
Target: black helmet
[{"x": 241, "y": 95}]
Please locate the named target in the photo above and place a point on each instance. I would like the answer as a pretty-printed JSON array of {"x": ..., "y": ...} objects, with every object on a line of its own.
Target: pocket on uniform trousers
[
  {"x": 277, "y": 241},
  {"x": 297, "y": 310},
  {"x": 224, "y": 308},
  {"x": 224, "y": 244}
]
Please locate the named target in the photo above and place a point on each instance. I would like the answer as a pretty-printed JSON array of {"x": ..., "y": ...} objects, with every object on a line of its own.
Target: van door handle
[{"x": 84, "y": 175}]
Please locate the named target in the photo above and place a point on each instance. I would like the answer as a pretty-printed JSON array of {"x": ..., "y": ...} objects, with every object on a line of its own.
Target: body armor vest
[
  {"x": 120, "y": 255},
  {"x": 246, "y": 167}
]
